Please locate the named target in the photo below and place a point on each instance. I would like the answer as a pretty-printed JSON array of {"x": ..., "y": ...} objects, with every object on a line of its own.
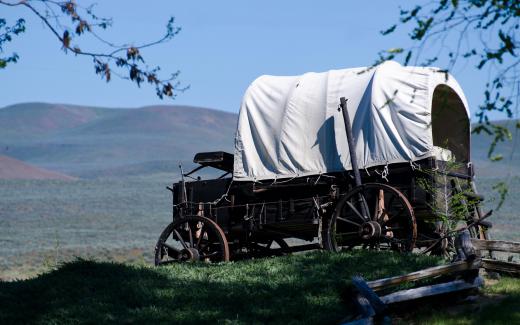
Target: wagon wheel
[
  {"x": 389, "y": 222},
  {"x": 268, "y": 247},
  {"x": 437, "y": 242},
  {"x": 192, "y": 238},
  {"x": 444, "y": 245}
]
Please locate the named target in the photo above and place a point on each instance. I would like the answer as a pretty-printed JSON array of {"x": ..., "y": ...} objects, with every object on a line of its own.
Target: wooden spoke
[
  {"x": 393, "y": 217},
  {"x": 183, "y": 243},
  {"x": 172, "y": 253},
  {"x": 213, "y": 254},
  {"x": 349, "y": 221},
  {"x": 170, "y": 248},
  {"x": 380, "y": 205},
  {"x": 356, "y": 211},
  {"x": 190, "y": 234},
  {"x": 201, "y": 235},
  {"x": 347, "y": 233},
  {"x": 393, "y": 228}
]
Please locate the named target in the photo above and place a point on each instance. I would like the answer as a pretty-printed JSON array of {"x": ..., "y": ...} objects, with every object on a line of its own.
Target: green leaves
[
  {"x": 395, "y": 50},
  {"x": 6, "y": 35},
  {"x": 500, "y": 134},
  {"x": 128, "y": 61},
  {"x": 389, "y": 30},
  {"x": 422, "y": 28},
  {"x": 479, "y": 31},
  {"x": 502, "y": 189}
]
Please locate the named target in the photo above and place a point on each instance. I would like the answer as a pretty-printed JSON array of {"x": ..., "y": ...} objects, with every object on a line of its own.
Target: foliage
[
  {"x": 70, "y": 23},
  {"x": 6, "y": 35},
  {"x": 502, "y": 189},
  {"x": 449, "y": 203},
  {"x": 483, "y": 32}
]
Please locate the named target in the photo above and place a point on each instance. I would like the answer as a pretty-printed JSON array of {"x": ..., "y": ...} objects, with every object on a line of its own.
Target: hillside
[
  {"x": 509, "y": 166},
  {"x": 15, "y": 169},
  {"x": 92, "y": 142}
]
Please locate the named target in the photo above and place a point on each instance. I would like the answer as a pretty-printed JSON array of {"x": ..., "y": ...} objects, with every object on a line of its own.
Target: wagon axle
[
  {"x": 189, "y": 254},
  {"x": 369, "y": 230}
]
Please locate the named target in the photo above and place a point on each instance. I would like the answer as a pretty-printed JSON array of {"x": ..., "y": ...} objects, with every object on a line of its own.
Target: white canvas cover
[{"x": 290, "y": 126}]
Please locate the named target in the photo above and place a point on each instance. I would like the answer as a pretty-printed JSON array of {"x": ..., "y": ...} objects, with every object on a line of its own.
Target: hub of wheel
[
  {"x": 189, "y": 254},
  {"x": 369, "y": 230}
]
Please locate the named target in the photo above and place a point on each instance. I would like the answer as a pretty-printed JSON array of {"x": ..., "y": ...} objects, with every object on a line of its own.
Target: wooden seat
[{"x": 217, "y": 159}]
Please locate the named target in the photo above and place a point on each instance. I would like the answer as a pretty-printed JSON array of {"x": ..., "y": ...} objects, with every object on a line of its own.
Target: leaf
[
  {"x": 389, "y": 30},
  {"x": 132, "y": 53},
  {"x": 395, "y": 50},
  {"x": 107, "y": 72},
  {"x": 66, "y": 39},
  {"x": 502, "y": 190},
  {"x": 82, "y": 27},
  {"x": 497, "y": 157}
]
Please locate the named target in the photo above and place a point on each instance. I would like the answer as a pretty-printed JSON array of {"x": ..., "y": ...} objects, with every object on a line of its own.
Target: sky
[{"x": 222, "y": 48}]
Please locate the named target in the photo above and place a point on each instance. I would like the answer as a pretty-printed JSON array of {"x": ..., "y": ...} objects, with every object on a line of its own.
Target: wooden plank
[
  {"x": 427, "y": 291},
  {"x": 369, "y": 294},
  {"x": 496, "y": 245},
  {"x": 459, "y": 266},
  {"x": 501, "y": 266},
  {"x": 365, "y": 309}
]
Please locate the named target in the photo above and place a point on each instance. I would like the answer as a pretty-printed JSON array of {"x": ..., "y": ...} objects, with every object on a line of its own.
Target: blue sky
[{"x": 223, "y": 46}]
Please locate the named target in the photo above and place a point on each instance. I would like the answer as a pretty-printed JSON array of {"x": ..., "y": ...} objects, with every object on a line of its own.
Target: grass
[
  {"x": 42, "y": 221},
  {"x": 501, "y": 305},
  {"x": 297, "y": 289},
  {"x": 303, "y": 288}
]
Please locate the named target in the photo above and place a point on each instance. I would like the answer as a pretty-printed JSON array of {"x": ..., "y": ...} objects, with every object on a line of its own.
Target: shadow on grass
[{"x": 303, "y": 288}]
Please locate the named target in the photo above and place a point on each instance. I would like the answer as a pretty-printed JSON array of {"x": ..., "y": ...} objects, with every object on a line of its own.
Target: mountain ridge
[
  {"x": 92, "y": 142},
  {"x": 85, "y": 141}
]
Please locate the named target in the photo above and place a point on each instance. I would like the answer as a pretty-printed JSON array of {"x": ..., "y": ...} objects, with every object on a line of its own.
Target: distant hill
[
  {"x": 93, "y": 141},
  {"x": 509, "y": 166},
  {"x": 98, "y": 142},
  {"x": 15, "y": 169}
]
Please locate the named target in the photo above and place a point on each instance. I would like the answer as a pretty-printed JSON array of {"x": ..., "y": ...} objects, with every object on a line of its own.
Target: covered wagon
[{"x": 365, "y": 157}]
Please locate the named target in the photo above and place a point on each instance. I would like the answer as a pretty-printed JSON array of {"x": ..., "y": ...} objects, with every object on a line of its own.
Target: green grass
[
  {"x": 303, "y": 288},
  {"x": 42, "y": 222},
  {"x": 300, "y": 289},
  {"x": 501, "y": 305}
]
